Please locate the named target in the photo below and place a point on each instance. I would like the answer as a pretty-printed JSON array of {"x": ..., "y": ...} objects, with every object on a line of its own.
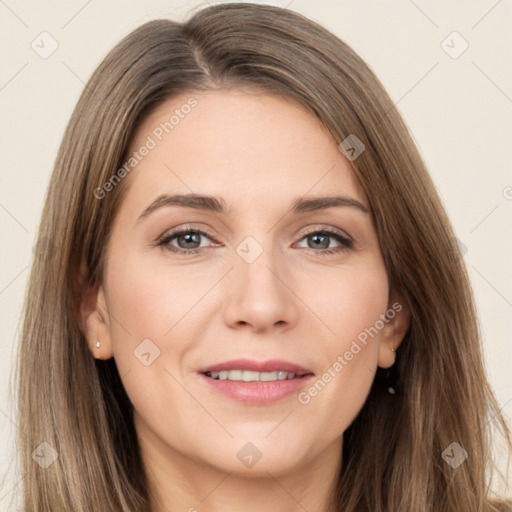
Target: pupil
[
  {"x": 189, "y": 238},
  {"x": 325, "y": 245}
]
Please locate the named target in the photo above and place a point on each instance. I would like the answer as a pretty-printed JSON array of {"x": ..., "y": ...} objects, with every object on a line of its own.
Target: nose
[{"x": 260, "y": 294}]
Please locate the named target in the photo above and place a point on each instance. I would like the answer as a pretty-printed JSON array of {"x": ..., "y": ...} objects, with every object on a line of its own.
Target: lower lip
[{"x": 258, "y": 392}]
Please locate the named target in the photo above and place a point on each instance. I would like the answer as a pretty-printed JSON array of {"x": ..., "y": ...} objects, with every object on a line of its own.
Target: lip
[
  {"x": 257, "y": 392},
  {"x": 271, "y": 365}
]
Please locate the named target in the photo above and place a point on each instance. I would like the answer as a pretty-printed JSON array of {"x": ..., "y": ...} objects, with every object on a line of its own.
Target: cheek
[
  {"x": 349, "y": 299},
  {"x": 137, "y": 300},
  {"x": 156, "y": 309},
  {"x": 148, "y": 314},
  {"x": 350, "y": 302},
  {"x": 144, "y": 306},
  {"x": 149, "y": 299}
]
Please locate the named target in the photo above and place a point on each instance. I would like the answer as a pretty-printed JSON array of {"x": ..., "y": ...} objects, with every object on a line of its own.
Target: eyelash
[{"x": 345, "y": 242}]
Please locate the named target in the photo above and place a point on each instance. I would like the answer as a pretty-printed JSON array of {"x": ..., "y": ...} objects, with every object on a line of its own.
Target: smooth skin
[{"x": 259, "y": 153}]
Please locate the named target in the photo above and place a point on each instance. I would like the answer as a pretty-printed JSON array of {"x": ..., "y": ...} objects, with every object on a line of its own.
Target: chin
[{"x": 257, "y": 456}]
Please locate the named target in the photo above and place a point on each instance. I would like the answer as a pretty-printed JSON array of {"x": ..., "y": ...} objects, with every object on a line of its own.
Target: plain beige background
[{"x": 457, "y": 102}]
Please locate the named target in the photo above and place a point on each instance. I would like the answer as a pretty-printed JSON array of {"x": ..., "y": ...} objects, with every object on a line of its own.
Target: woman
[{"x": 257, "y": 301}]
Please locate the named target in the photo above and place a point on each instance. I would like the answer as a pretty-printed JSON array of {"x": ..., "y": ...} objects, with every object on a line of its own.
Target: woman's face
[{"x": 268, "y": 275}]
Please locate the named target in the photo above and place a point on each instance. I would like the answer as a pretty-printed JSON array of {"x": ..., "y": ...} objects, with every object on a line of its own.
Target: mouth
[
  {"x": 251, "y": 376},
  {"x": 256, "y": 382}
]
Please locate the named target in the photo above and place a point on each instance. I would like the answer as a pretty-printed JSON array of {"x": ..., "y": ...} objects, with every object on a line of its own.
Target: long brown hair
[{"x": 392, "y": 453}]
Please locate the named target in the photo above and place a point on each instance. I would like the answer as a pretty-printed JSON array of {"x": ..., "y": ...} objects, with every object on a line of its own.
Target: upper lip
[{"x": 271, "y": 365}]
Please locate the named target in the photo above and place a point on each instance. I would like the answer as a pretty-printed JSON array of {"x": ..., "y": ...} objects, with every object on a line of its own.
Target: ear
[
  {"x": 94, "y": 317},
  {"x": 395, "y": 327}
]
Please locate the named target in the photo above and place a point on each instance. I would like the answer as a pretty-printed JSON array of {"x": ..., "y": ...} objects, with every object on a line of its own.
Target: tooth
[
  {"x": 249, "y": 376},
  {"x": 268, "y": 376},
  {"x": 235, "y": 375}
]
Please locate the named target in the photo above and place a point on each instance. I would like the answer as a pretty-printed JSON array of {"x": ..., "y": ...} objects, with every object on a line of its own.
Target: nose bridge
[
  {"x": 259, "y": 295},
  {"x": 259, "y": 265}
]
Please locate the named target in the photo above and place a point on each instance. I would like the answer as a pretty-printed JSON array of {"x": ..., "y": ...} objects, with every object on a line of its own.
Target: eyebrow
[{"x": 217, "y": 204}]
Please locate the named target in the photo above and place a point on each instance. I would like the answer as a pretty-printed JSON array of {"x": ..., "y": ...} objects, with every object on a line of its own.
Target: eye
[
  {"x": 320, "y": 241},
  {"x": 188, "y": 240}
]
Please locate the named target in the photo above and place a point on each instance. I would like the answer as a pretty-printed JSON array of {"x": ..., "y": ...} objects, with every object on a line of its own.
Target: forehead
[{"x": 247, "y": 146}]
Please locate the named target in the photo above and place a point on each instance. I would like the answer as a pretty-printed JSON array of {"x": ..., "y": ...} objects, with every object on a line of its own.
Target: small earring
[
  {"x": 391, "y": 378},
  {"x": 97, "y": 344}
]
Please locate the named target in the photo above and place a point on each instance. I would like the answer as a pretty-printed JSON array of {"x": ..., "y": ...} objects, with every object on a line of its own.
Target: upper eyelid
[
  {"x": 331, "y": 230},
  {"x": 178, "y": 231}
]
